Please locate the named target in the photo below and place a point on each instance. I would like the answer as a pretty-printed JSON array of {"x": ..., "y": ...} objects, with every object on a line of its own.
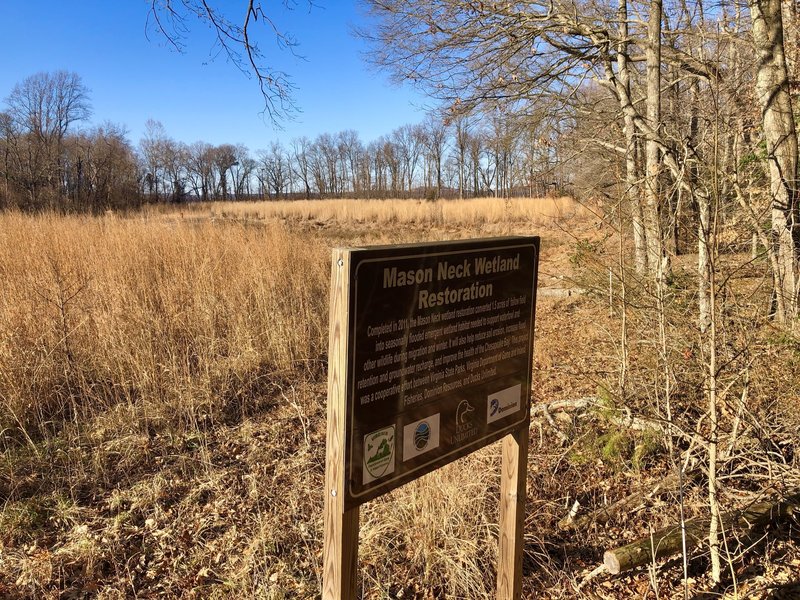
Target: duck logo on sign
[
  {"x": 465, "y": 423},
  {"x": 464, "y": 415}
]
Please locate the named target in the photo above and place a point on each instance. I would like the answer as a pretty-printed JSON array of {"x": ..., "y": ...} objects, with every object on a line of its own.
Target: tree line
[{"x": 50, "y": 162}]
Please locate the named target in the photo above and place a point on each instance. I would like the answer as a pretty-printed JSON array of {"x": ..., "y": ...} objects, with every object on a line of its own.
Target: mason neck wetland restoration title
[{"x": 446, "y": 271}]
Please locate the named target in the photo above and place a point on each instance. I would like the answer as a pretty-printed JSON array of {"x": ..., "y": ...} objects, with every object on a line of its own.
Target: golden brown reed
[
  {"x": 175, "y": 317},
  {"x": 468, "y": 212}
]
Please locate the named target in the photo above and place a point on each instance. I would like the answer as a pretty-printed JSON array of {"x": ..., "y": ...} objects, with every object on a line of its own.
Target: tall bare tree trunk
[
  {"x": 632, "y": 194},
  {"x": 772, "y": 88},
  {"x": 652, "y": 217},
  {"x": 707, "y": 297},
  {"x": 713, "y": 442},
  {"x": 702, "y": 200}
]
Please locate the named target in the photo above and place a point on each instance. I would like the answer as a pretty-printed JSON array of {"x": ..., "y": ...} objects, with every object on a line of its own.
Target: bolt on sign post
[{"x": 430, "y": 355}]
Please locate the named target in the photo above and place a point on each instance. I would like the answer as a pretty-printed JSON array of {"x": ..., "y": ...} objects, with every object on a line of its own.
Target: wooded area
[{"x": 689, "y": 106}]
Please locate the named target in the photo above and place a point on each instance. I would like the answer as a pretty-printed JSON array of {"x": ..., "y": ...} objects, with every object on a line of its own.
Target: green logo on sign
[{"x": 378, "y": 453}]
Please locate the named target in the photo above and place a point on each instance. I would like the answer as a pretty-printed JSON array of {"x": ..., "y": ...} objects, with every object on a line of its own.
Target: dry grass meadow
[
  {"x": 478, "y": 212},
  {"x": 162, "y": 411}
]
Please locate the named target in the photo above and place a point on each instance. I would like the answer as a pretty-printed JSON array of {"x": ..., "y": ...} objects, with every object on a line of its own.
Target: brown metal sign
[{"x": 439, "y": 354}]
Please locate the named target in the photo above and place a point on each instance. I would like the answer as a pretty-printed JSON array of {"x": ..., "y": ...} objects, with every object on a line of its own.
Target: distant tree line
[
  {"x": 50, "y": 162},
  {"x": 47, "y": 163}
]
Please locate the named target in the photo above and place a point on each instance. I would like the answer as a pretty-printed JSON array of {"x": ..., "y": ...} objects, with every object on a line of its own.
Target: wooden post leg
[
  {"x": 340, "y": 555},
  {"x": 340, "y": 550},
  {"x": 512, "y": 515}
]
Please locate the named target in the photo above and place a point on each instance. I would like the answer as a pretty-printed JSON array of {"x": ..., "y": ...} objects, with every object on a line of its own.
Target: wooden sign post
[
  {"x": 340, "y": 551},
  {"x": 430, "y": 356}
]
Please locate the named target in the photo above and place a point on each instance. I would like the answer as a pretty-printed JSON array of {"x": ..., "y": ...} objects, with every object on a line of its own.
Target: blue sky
[{"x": 133, "y": 75}]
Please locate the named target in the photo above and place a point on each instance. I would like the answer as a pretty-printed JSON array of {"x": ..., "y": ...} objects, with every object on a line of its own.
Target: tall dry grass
[
  {"x": 467, "y": 213},
  {"x": 179, "y": 320}
]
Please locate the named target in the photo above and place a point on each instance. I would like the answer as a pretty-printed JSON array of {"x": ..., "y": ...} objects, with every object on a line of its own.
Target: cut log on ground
[
  {"x": 668, "y": 541},
  {"x": 628, "y": 504}
]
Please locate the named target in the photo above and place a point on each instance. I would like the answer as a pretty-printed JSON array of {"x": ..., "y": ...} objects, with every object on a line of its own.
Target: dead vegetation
[
  {"x": 162, "y": 416},
  {"x": 492, "y": 214}
]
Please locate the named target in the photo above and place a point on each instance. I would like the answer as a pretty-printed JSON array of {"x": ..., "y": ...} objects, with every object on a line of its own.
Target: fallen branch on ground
[
  {"x": 628, "y": 504},
  {"x": 621, "y": 417},
  {"x": 668, "y": 541}
]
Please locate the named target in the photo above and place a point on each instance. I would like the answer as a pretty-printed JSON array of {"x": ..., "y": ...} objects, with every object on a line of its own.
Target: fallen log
[
  {"x": 629, "y": 503},
  {"x": 620, "y": 417},
  {"x": 668, "y": 541},
  {"x": 568, "y": 405}
]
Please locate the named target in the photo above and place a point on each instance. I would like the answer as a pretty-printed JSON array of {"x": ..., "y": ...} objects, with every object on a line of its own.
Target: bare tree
[
  {"x": 275, "y": 169},
  {"x": 301, "y": 165},
  {"x": 241, "y": 171},
  {"x": 407, "y": 143},
  {"x": 41, "y": 110},
  {"x": 435, "y": 133},
  {"x": 224, "y": 158},
  {"x": 482, "y": 178},
  {"x": 47, "y": 104},
  {"x": 772, "y": 87},
  {"x": 100, "y": 170},
  {"x": 462, "y": 135},
  {"x": 652, "y": 205},
  {"x": 351, "y": 151},
  {"x": 377, "y": 168},
  {"x": 236, "y": 37},
  {"x": 502, "y": 146},
  {"x": 200, "y": 170},
  {"x": 152, "y": 147},
  {"x": 327, "y": 164},
  {"x": 175, "y": 160},
  {"x": 631, "y": 193},
  {"x": 391, "y": 162}
]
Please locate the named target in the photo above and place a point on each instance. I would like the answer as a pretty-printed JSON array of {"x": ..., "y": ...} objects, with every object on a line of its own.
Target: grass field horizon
[{"x": 468, "y": 211}]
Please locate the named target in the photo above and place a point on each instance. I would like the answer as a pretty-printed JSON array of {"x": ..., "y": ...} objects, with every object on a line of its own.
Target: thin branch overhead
[{"x": 237, "y": 40}]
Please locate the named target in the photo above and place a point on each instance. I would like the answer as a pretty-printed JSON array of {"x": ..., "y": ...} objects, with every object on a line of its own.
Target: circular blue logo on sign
[{"x": 422, "y": 435}]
